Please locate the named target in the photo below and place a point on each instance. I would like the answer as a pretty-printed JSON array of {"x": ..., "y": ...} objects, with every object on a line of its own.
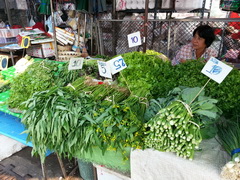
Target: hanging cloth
[
  {"x": 103, "y": 5},
  {"x": 82, "y": 4},
  {"x": 120, "y": 5},
  {"x": 97, "y": 6},
  {"x": 44, "y": 7}
]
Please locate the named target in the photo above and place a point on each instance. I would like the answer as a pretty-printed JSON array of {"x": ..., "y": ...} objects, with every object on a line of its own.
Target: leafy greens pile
[
  {"x": 38, "y": 76},
  {"x": 68, "y": 122}
]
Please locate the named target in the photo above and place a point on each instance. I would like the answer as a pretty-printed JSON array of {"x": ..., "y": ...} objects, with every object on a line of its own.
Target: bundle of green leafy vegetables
[
  {"x": 157, "y": 77},
  {"x": 204, "y": 109},
  {"x": 69, "y": 123},
  {"x": 108, "y": 93},
  {"x": 38, "y": 76},
  {"x": 42, "y": 75},
  {"x": 4, "y": 84},
  {"x": 178, "y": 122},
  {"x": 145, "y": 72},
  {"x": 189, "y": 74},
  {"x": 229, "y": 137}
]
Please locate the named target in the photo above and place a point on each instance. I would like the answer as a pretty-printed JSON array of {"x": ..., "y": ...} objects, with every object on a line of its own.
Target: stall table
[
  {"x": 152, "y": 164},
  {"x": 10, "y": 49}
]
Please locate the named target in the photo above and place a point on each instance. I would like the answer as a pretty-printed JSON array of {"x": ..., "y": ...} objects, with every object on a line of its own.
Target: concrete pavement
[{"x": 22, "y": 166}]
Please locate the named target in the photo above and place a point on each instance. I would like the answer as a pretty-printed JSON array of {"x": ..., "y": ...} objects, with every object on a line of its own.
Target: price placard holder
[
  {"x": 104, "y": 69},
  {"x": 215, "y": 70},
  {"x": 134, "y": 39},
  {"x": 117, "y": 64},
  {"x": 75, "y": 63}
]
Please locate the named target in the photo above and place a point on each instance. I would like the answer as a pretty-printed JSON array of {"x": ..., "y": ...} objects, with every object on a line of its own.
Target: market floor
[{"x": 22, "y": 166}]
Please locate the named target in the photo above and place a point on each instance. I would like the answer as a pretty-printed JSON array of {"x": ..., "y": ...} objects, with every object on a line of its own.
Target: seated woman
[{"x": 203, "y": 36}]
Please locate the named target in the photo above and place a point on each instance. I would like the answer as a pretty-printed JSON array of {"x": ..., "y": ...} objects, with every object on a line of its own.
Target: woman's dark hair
[{"x": 205, "y": 32}]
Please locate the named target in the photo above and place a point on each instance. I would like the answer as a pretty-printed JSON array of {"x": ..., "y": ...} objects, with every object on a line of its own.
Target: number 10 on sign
[{"x": 134, "y": 39}]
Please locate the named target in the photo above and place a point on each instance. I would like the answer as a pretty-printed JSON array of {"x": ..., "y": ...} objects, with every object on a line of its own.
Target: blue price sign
[
  {"x": 117, "y": 64},
  {"x": 216, "y": 70},
  {"x": 134, "y": 39},
  {"x": 104, "y": 69}
]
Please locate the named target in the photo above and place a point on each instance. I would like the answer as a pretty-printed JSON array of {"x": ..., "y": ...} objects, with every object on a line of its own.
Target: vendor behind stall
[{"x": 203, "y": 36}]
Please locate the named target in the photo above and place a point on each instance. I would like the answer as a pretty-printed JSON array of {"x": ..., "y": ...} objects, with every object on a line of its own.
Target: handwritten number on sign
[
  {"x": 215, "y": 70},
  {"x": 103, "y": 68},
  {"x": 119, "y": 63},
  {"x": 134, "y": 39}
]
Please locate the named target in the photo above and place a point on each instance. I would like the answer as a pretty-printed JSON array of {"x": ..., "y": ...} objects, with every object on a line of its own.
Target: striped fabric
[{"x": 187, "y": 52}]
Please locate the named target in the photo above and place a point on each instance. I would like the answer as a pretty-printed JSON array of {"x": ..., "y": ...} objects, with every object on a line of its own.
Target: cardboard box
[{"x": 42, "y": 50}]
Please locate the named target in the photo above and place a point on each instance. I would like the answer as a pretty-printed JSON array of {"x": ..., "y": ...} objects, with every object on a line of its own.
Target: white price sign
[
  {"x": 216, "y": 70},
  {"x": 117, "y": 64},
  {"x": 104, "y": 69},
  {"x": 134, "y": 39},
  {"x": 75, "y": 63}
]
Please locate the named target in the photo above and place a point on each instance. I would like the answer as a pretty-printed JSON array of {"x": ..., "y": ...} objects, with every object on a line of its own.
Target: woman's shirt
[{"x": 187, "y": 52}]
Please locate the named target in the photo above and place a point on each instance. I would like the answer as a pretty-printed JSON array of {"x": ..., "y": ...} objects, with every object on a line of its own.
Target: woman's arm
[{"x": 182, "y": 55}]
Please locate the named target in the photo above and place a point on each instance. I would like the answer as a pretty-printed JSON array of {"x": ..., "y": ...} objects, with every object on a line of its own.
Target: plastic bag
[{"x": 31, "y": 22}]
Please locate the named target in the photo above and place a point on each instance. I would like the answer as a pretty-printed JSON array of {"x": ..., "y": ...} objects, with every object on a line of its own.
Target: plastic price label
[
  {"x": 75, "y": 63},
  {"x": 216, "y": 70},
  {"x": 117, "y": 64},
  {"x": 134, "y": 39},
  {"x": 104, "y": 69}
]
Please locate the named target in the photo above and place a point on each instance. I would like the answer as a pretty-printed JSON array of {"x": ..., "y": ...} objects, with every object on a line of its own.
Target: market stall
[
  {"x": 96, "y": 120},
  {"x": 114, "y": 111}
]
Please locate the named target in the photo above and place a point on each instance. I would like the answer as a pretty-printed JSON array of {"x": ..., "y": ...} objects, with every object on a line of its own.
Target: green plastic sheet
[{"x": 111, "y": 159}]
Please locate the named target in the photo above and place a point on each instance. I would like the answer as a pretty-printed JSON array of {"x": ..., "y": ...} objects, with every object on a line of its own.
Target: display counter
[{"x": 151, "y": 164}]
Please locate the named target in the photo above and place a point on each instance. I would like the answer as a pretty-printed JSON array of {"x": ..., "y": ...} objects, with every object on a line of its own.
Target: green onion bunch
[
  {"x": 108, "y": 94},
  {"x": 173, "y": 130},
  {"x": 229, "y": 137}
]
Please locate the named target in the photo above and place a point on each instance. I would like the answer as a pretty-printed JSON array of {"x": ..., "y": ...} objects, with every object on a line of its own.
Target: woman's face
[{"x": 198, "y": 42}]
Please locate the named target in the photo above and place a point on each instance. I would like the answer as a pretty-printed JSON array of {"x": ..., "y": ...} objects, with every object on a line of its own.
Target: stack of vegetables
[
  {"x": 80, "y": 116},
  {"x": 141, "y": 78},
  {"x": 70, "y": 111},
  {"x": 38, "y": 76},
  {"x": 229, "y": 136},
  {"x": 4, "y": 84},
  {"x": 177, "y": 126}
]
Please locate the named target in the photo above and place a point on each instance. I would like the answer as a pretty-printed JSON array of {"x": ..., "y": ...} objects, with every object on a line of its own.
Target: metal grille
[{"x": 165, "y": 36}]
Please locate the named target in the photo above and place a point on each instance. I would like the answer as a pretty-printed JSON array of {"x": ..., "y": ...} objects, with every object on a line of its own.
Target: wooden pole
[
  {"x": 62, "y": 166},
  {"x": 54, "y": 31},
  {"x": 145, "y": 26},
  {"x": 114, "y": 10},
  {"x": 44, "y": 171},
  {"x": 8, "y": 13}
]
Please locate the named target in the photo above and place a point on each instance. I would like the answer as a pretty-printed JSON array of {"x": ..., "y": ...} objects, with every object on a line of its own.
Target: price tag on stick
[
  {"x": 75, "y": 63},
  {"x": 117, "y": 64},
  {"x": 104, "y": 69},
  {"x": 216, "y": 70},
  {"x": 134, "y": 39}
]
